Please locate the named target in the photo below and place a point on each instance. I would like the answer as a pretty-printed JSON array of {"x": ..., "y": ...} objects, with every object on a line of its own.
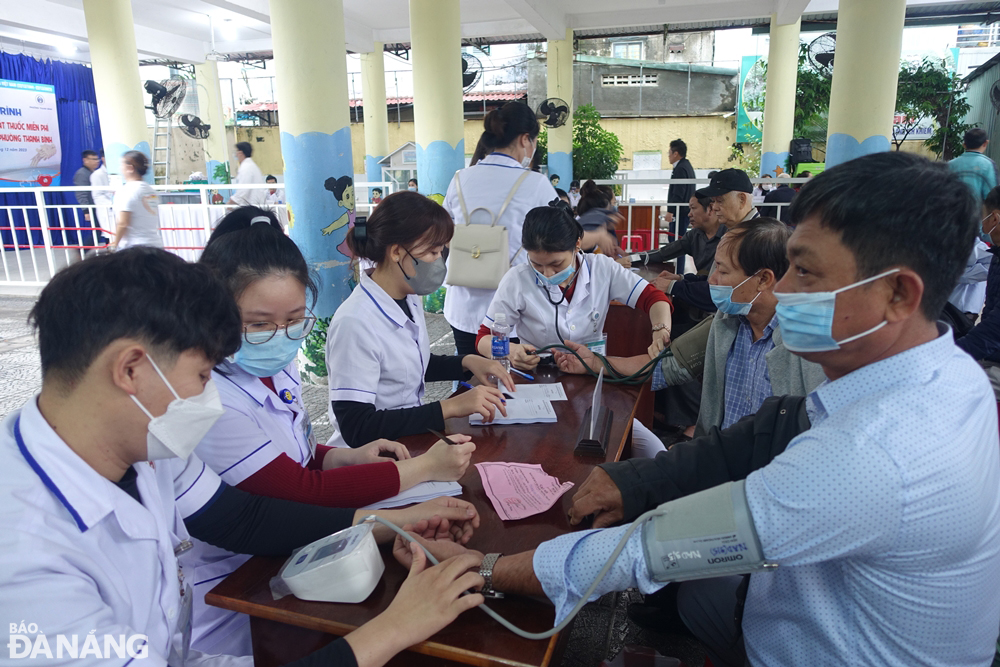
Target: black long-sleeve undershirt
[{"x": 360, "y": 423}]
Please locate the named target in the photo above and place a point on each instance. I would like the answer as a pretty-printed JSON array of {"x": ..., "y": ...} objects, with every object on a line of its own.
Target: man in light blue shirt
[{"x": 884, "y": 516}]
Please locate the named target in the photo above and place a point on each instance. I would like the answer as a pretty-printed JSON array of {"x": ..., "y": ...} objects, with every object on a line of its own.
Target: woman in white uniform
[
  {"x": 377, "y": 350},
  {"x": 264, "y": 442},
  {"x": 510, "y": 137},
  {"x": 564, "y": 294},
  {"x": 135, "y": 206}
]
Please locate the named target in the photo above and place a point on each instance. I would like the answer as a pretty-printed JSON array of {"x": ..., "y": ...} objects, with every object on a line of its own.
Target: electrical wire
[
  {"x": 658, "y": 511},
  {"x": 611, "y": 375}
]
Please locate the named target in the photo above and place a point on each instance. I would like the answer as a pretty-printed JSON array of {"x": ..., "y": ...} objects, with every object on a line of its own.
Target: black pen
[{"x": 442, "y": 436}]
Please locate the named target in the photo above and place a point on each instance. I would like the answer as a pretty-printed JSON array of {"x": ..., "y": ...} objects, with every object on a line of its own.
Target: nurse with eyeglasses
[{"x": 264, "y": 443}]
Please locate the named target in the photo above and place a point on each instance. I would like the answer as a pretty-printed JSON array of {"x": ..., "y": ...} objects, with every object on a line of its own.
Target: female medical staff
[
  {"x": 264, "y": 442},
  {"x": 509, "y": 139},
  {"x": 377, "y": 349},
  {"x": 563, "y": 294}
]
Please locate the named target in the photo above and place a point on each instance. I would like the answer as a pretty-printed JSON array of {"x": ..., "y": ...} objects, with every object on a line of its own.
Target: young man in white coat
[{"x": 100, "y": 497}]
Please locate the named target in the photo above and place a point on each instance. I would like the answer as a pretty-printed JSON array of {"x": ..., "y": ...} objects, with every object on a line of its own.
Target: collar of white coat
[
  {"x": 229, "y": 376},
  {"x": 501, "y": 160},
  {"x": 582, "y": 281},
  {"x": 87, "y": 496},
  {"x": 386, "y": 304}
]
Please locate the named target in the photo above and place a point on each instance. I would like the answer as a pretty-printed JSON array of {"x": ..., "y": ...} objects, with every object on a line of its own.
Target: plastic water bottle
[{"x": 500, "y": 347}]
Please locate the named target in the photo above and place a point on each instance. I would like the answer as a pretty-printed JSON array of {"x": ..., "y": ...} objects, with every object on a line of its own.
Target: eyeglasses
[{"x": 261, "y": 332}]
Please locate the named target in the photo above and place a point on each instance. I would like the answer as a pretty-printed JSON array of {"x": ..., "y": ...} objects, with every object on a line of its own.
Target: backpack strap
[
  {"x": 510, "y": 196},
  {"x": 461, "y": 199}
]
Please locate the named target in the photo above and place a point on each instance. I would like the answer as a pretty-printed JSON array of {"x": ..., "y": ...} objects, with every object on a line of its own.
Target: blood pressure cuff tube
[
  {"x": 706, "y": 534},
  {"x": 689, "y": 348}
]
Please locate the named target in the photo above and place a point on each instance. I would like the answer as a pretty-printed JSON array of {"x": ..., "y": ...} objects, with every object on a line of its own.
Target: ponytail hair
[
  {"x": 504, "y": 125},
  {"x": 592, "y": 196},
  {"x": 137, "y": 160},
  {"x": 250, "y": 244},
  {"x": 551, "y": 228},
  {"x": 403, "y": 218}
]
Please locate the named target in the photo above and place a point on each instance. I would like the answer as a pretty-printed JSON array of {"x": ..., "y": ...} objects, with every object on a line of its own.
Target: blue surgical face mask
[
  {"x": 806, "y": 318},
  {"x": 557, "y": 279},
  {"x": 268, "y": 358},
  {"x": 722, "y": 297}
]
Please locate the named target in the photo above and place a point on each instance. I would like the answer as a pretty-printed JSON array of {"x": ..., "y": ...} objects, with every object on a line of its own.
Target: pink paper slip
[{"x": 518, "y": 490}]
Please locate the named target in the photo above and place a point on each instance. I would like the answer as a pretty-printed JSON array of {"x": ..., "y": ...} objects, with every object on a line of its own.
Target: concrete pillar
[
  {"x": 779, "y": 100},
  {"x": 217, "y": 149},
  {"x": 436, "y": 40},
  {"x": 559, "y": 78},
  {"x": 311, "y": 82},
  {"x": 865, "y": 71},
  {"x": 115, "y": 62},
  {"x": 376, "y": 117}
]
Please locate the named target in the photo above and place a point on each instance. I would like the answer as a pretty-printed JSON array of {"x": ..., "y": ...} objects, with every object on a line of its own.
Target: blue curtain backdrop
[{"x": 79, "y": 130}]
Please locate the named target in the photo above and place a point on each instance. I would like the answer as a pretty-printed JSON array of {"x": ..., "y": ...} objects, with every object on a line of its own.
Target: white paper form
[
  {"x": 548, "y": 392},
  {"x": 520, "y": 411},
  {"x": 418, "y": 494}
]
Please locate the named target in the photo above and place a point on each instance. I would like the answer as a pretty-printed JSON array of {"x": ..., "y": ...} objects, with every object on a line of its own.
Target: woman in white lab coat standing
[
  {"x": 564, "y": 294},
  {"x": 511, "y": 138},
  {"x": 377, "y": 349},
  {"x": 264, "y": 443}
]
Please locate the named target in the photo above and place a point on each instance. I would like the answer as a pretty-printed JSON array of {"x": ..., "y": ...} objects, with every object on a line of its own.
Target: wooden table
[{"x": 287, "y": 629}]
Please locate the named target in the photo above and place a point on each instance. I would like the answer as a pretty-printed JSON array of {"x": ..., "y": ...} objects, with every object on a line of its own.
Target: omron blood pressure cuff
[{"x": 706, "y": 534}]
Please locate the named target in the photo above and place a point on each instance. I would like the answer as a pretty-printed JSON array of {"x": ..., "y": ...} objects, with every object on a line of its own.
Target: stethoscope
[{"x": 594, "y": 316}]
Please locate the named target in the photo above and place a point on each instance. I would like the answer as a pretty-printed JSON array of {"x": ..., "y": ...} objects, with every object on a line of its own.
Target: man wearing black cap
[
  {"x": 732, "y": 201},
  {"x": 732, "y": 194}
]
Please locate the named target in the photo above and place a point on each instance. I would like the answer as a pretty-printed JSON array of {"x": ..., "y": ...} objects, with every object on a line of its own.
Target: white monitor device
[{"x": 343, "y": 567}]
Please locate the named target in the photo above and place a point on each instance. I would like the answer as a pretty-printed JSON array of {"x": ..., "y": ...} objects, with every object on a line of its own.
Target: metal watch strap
[{"x": 486, "y": 572}]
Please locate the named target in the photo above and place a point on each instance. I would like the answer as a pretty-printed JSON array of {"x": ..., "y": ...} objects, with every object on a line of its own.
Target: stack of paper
[
  {"x": 418, "y": 494},
  {"x": 521, "y": 411}
]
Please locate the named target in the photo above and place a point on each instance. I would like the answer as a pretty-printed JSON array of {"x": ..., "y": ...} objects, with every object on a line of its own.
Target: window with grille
[
  {"x": 628, "y": 80},
  {"x": 629, "y": 50}
]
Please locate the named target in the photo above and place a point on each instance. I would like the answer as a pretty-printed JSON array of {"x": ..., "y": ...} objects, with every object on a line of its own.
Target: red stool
[
  {"x": 638, "y": 244},
  {"x": 647, "y": 238}
]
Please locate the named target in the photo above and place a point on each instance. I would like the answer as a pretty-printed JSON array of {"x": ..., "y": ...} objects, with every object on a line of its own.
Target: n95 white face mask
[{"x": 178, "y": 431}]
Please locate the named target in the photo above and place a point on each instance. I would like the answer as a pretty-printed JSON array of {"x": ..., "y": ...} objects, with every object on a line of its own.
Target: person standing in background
[
  {"x": 248, "y": 174},
  {"x": 102, "y": 199},
  {"x": 680, "y": 194},
  {"x": 136, "y": 206},
  {"x": 974, "y": 168},
  {"x": 91, "y": 161},
  {"x": 574, "y": 194},
  {"x": 411, "y": 185}
]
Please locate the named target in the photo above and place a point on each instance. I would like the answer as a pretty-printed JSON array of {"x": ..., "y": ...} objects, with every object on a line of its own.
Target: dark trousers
[
  {"x": 465, "y": 342},
  {"x": 708, "y": 609},
  {"x": 682, "y": 226}
]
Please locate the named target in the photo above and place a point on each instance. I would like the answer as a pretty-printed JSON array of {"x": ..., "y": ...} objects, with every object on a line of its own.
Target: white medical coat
[
  {"x": 257, "y": 427},
  {"x": 528, "y": 302},
  {"x": 486, "y": 185},
  {"x": 374, "y": 353},
  {"x": 78, "y": 554}
]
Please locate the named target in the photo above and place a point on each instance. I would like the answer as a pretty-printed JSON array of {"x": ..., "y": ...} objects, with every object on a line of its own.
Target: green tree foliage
[
  {"x": 812, "y": 99},
  {"x": 930, "y": 89},
  {"x": 596, "y": 151}
]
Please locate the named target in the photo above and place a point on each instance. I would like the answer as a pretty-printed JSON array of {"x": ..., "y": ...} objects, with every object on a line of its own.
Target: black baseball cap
[{"x": 727, "y": 180}]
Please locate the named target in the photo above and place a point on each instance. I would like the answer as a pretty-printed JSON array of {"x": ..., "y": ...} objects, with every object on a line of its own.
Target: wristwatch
[{"x": 486, "y": 572}]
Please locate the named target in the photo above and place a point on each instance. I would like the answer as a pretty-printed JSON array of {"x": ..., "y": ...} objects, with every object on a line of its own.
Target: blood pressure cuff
[
  {"x": 689, "y": 348},
  {"x": 706, "y": 534}
]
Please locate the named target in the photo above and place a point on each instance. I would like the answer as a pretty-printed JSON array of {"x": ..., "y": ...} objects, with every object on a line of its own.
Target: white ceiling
[{"x": 179, "y": 29}]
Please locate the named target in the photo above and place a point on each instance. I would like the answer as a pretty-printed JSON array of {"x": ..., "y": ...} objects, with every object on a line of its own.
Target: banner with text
[{"x": 29, "y": 134}]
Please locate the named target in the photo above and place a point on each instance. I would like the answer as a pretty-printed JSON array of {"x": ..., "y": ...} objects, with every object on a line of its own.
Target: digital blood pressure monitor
[{"x": 343, "y": 567}]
